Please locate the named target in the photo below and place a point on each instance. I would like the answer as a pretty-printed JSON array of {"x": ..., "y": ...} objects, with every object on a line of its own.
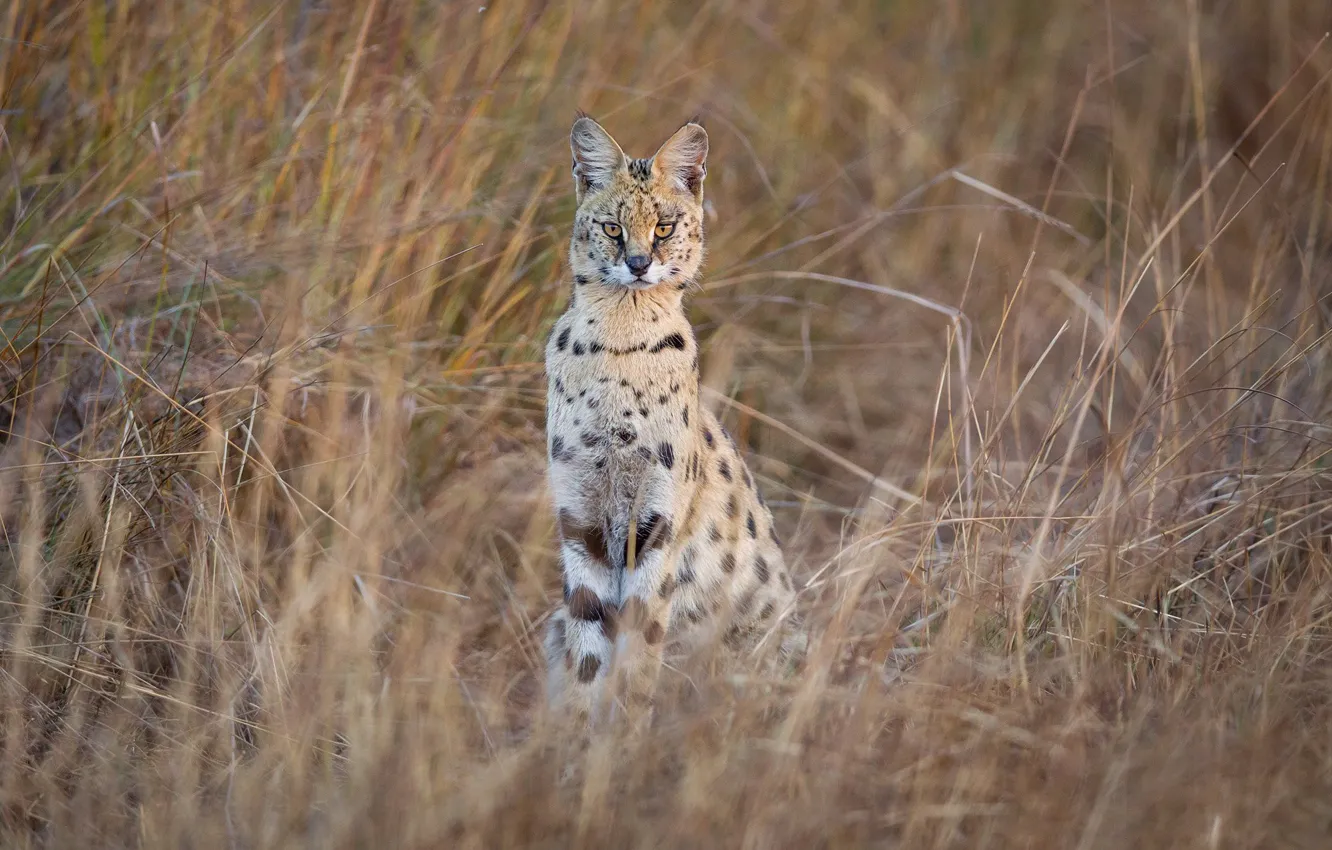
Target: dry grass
[{"x": 1021, "y": 309}]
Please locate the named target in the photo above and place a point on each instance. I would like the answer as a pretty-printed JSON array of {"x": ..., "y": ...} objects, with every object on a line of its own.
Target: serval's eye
[
  {"x": 612, "y": 229},
  {"x": 664, "y": 230}
]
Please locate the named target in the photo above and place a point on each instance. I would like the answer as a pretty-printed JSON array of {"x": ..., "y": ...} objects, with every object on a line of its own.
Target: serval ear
[
  {"x": 596, "y": 156},
  {"x": 684, "y": 159}
]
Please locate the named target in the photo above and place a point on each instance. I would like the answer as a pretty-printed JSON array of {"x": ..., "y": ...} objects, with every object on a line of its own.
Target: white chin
[{"x": 621, "y": 276}]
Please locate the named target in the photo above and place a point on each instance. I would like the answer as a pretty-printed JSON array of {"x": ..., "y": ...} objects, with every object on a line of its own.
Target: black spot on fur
[
  {"x": 640, "y": 169},
  {"x": 595, "y": 347},
  {"x": 767, "y": 611},
  {"x": 585, "y": 605},
  {"x": 654, "y": 532},
  {"x": 666, "y": 453},
  {"x": 724, "y": 467},
  {"x": 590, "y": 439},
  {"x": 558, "y": 451},
  {"x": 587, "y": 668},
  {"x": 728, "y": 563},
  {"x": 675, "y": 340},
  {"x": 600, "y": 463},
  {"x": 745, "y": 605},
  {"x": 653, "y": 634},
  {"x": 753, "y": 529},
  {"x": 661, "y": 399},
  {"x": 562, "y": 341},
  {"x": 715, "y": 533},
  {"x": 626, "y": 435},
  {"x": 684, "y": 416},
  {"x": 591, "y": 537},
  {"x": 642, "y": 411},
  {"x": 772, "y": 533},
  {"x": 761, "y": 570},
  {"x": 707, "y": 438},
  {"x": 582, "y": 278},
  {"x": 732, "y": 507},
  {"x": 578, "y": 347}
]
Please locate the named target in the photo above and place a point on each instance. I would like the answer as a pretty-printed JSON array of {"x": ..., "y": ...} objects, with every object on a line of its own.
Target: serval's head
[{"x": 640, "y": 221}]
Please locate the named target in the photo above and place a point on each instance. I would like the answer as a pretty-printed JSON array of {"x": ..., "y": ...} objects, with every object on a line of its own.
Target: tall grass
[{"x": 1021, "y": 311}]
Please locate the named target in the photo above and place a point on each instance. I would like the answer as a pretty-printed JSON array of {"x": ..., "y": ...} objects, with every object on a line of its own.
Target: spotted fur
[{"x": 662, "y": 532}]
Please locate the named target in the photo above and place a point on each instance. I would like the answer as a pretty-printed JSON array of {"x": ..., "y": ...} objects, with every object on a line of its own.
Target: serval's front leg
[
  {"x": 648, "y": 581},
  {"x": 619, "y": 578},
  {"x": 579, "y": 637}
]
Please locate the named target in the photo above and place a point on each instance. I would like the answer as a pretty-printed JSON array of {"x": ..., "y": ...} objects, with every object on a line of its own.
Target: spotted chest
[{"x": 617, "y": 400}]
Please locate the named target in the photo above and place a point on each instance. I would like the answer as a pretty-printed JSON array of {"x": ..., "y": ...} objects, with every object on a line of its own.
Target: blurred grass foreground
[{"x": 1020, "y": 309}]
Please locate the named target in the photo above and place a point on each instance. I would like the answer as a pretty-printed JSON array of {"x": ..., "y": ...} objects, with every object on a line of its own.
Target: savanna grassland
[{"x": 1021, "y": 311}]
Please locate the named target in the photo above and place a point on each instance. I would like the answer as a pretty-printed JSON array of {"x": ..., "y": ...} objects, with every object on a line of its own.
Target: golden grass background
[{"x": 1021, "y": 311}]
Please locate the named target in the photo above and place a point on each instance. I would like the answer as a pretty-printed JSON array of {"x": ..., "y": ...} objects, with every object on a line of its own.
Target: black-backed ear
[
  {"x": 684, "y": 158},
  {"x": 596, "y": 157}
]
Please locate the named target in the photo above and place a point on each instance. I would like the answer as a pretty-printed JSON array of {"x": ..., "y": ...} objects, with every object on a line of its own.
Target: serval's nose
[{"x": 638, "y": 263}]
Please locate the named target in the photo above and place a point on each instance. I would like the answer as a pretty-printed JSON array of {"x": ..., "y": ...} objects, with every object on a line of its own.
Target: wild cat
[{"x": 662, "y": 531}]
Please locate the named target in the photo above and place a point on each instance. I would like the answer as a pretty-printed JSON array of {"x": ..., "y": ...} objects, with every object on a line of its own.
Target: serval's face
[{"x": 640, "y": 221}]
